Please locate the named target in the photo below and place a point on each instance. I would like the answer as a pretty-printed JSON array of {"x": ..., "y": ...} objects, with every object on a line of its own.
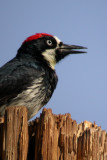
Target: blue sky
[{"x": 82, "y": 85}]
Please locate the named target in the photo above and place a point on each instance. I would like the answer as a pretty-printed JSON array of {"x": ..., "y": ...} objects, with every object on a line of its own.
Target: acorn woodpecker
[{"x": 29, "y": 79}]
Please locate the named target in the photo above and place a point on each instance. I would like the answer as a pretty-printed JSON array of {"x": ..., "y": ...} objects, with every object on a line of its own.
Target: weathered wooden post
[
  {"x": 16, "y": 133},
  {"x": 51, "y": 137},
  {"x": 58, "y": 137},
  {"x": 2, "y": 142}
]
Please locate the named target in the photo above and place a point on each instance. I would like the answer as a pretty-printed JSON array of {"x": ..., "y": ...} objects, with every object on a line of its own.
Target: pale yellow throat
[{"x": 49, "y": 56}]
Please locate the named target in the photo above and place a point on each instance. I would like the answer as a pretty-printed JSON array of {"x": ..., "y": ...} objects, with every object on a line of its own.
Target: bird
[{"x": 29, "y": 79}]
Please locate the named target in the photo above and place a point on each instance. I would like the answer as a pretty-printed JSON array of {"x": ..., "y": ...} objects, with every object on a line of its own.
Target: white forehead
[{"x": 57, "y": 39}]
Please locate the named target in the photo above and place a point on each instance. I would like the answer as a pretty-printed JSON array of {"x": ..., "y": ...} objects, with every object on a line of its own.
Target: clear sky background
[{"x": 82, "y": 85}]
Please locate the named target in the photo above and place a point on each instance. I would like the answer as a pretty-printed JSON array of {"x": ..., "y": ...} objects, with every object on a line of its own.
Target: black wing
[{"x": 16, "y": 76}]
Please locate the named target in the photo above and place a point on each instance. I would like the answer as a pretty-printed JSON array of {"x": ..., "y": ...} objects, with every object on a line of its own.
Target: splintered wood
[
  {"x": 58, "y": 137},
  {"x": 51, "y": 137}
]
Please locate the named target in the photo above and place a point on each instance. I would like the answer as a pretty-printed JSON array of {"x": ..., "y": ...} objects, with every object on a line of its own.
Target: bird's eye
[{"x": 49, "y": 42}]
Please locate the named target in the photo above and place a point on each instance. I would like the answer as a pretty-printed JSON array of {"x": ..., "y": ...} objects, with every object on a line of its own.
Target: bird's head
[{"x": 47, "y": 48}]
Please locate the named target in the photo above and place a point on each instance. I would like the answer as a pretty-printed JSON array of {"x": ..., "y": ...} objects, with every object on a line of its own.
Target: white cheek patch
[
  {"x": 57, "y": 39},
  {"x": 49, "y": 56}
]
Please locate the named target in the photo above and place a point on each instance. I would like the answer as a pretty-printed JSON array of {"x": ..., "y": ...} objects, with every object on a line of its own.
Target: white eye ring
[{"x": 49, "y": 42}]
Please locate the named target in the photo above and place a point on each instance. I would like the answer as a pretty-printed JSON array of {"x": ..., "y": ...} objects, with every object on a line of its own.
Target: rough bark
[
  {"x": 51, "y": 137},
  {"x": 58, "y": 137},
  {"x": 16, "y": 133},
  {"x": 2, "y": 142}
]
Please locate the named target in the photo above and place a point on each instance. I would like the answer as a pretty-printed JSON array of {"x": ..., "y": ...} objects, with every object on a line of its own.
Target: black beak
[
  {"x": 71, "y": 49},
  {"x": 63, "y": 50}
]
